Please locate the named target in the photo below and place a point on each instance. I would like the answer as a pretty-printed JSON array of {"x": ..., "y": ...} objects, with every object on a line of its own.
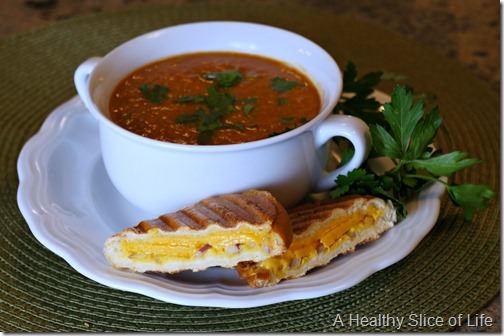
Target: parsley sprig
[{"x": 404, "y": 133}]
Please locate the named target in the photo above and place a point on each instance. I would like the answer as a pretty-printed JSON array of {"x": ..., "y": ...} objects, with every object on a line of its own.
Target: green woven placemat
[{"x": 454, "y": 270}]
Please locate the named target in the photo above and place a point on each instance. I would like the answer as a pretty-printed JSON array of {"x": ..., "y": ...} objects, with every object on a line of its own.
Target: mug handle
[
  {"x": 351, "y": 128},
  {"x": 81, "y": 80}
]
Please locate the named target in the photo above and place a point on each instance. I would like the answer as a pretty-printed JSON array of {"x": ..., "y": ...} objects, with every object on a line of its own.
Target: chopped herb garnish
[
  {"x": 280, "y": 84},
  {"x": 225, "y": 79},
  {"x": 303, "y": 120},
  {"x": 204, "y": 137},
  {"x": 187, "y": 118},
  {"x": 286, "y": 120},
  {"x": 250, "y": 103},
  {"x": 287, "y": 129},
  {"x": 154, "y": 93},
  {"x": 236, "y": 126},
  {"x": 190, "y": 100},
  {"x": 282, "y": 101},
  {"x": 219, "y": 104}
]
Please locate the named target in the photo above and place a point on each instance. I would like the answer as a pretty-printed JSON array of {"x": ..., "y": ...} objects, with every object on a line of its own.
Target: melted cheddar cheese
[
  {"x": 328, "y": 238},
  {"x": 159, "y": 248}
]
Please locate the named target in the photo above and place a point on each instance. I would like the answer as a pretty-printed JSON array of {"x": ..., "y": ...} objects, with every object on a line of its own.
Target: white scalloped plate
[{"x": 71, "y": 207}]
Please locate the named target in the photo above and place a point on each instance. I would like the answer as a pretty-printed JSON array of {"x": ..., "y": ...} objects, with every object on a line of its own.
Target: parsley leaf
[
  {"x": 225, "y": 79},
  {"x": 402, "y": 116},
  {"x": 286, "y": 119},
  {"x": 383, "y": 143},
  {"x": 250, "y": 103},
  {"x": 280, "y": 84},
  {"x": 282, "y": 101},
  {"x": 354, "y": 177},
  {"x": 470, "y": 197},
  {"x": 446, "y": 164},
  {"x": 346, "y": 155},
  {"x": 190, "y": 99},
  {"x": 363, "y": 86},
  {"x": 219, "y": 104},
  {"x": 424, "y": 133},
  {"x": 154, "y": 93},
  {"x": 356, "y": 99}
]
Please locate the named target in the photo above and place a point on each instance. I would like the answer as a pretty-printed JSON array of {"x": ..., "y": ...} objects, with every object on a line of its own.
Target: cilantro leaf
[
  {"x": 280, "y": 84},
  {"x": 225, "y": 79},
  {"x": 154, "y": 93},
  {"x": 470, "y": 197}
]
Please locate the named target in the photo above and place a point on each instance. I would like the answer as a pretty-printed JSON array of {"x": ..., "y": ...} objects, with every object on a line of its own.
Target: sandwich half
[
  {"x": 322, "y": 232},
  {"x": 218, "y": 231}
]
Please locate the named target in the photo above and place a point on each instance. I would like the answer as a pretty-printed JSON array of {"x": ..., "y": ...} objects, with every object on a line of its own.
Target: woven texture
[{"x": 455, "y": 269}]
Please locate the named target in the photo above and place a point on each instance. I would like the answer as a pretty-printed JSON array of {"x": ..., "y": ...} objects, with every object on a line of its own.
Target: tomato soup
[{"x": 214, "y": 98}]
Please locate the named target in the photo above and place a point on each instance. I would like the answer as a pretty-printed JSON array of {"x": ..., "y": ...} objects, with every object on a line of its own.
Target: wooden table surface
[{"x": 467, "y": 31}]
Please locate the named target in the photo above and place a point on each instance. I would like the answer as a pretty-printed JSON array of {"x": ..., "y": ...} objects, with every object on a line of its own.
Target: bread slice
[
  {"x": 218, "y": 231},
  {"x": 322, "y": 232}
]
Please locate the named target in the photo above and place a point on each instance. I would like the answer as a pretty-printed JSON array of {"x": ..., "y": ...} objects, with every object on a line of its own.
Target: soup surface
[{"x": 214, "y": 98}]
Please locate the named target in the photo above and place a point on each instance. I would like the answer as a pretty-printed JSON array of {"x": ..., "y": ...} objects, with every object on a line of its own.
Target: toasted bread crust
[
  {"x": 306, "y": 215},
  {"x": 227, "y": 211},
  {"x": 305, "y": 220}
]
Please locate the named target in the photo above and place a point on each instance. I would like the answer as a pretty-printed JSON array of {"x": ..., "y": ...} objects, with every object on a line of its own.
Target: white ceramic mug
[{"x": 163, "y": 177}]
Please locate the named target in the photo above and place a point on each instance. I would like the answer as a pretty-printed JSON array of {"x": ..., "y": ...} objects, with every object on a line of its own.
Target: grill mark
[
  {"x": 169, "y": 223},
  {"x": 184, "y": 219},
  {"x": 146, "y": 225},
  {"x": 263, "y": 205},
  {"x": 203, "y": 213},
  {"x": 303, "y": 217},
  {"x": 243, "y": 209},
  {"x": 176, "y": 220},
  {"x": 225, "y": 210},
  {"x": 229, "y": 219}
]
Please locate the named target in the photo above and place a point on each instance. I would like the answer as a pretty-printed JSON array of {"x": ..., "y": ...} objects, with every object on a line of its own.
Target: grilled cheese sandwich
[
  {"x": 321, "y": 233},
  {"x": 218, "y": 231}
]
